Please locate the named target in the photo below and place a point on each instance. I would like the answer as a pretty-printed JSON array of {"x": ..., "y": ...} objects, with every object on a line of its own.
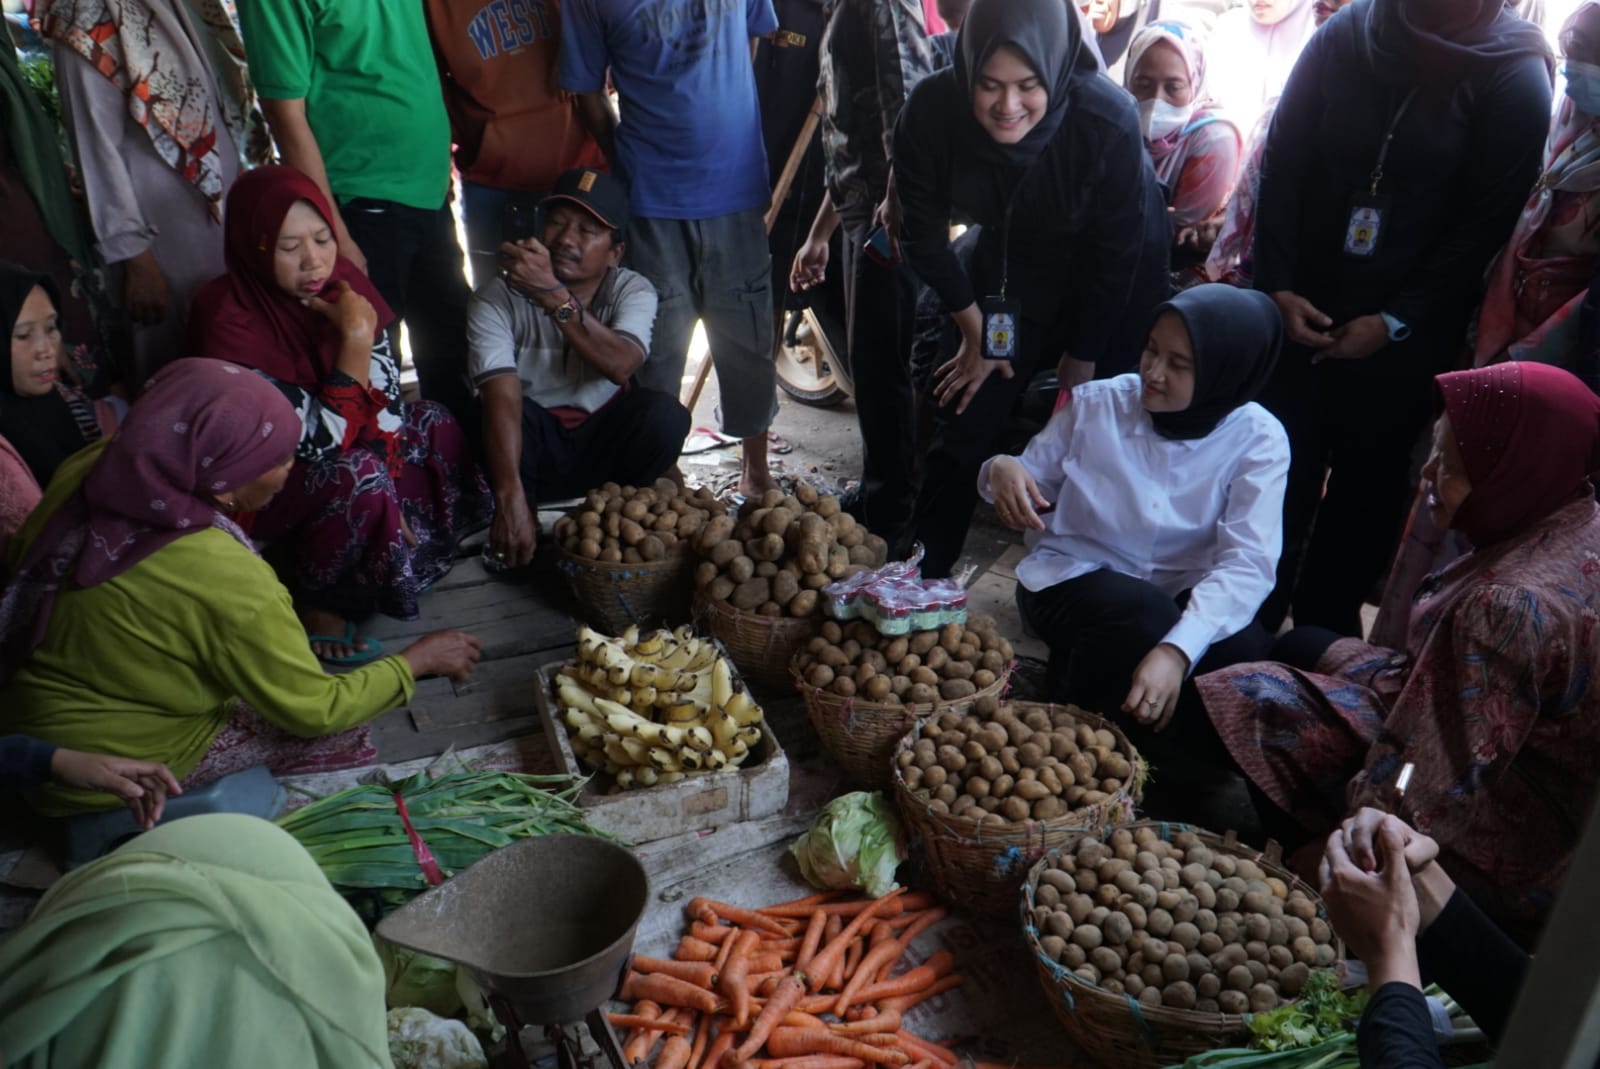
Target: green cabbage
[
  {"x": 854, "y": 842},
  {"x": 418, "y": 980},
  {"x": 419, "y": 1040}
]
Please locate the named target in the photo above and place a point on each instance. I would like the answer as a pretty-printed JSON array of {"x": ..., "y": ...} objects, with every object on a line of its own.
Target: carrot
[
  {"x": 913, "y": 900},
  {"x": 773, "y": 945},
  {"x": 702, "y": 1037},
  {"x": 710, "y": 911},
  {"x": 711, "y": 933},
  {"x": 791, "y": 1042},
  {"x": 831, "y": 955},
  {"x": 852, "y": 956},
  {"x": 878, "y": 958},
  {"x": 926, "y": 1063},
  {"x": 883, "y": 1022},
  {"x": 938, "y": 964},
  {"x": 810, "y": 1061},
  {"x": 918, "y": 1047},
  {"x": 812, "y": 940},
  {"x": 783, "y": 1000},
  {"x": 642, "y": 1039},
  {"x": 692, "y": 949},
  {"x": 809, "y": 901},
  {"x": 734, "y": 984},
  {"x": 905, "y": 1002},
  {"x": 926, "y": 919},
  {"x": 633, "y": 1020},
  {"x": 719, "y": 1047},
  {"x": 761, "y": 960},
  {"x": 699, "y": 973},
  {"x": 796, "y": 1019},
  {"x": 668, "y": 991},
  {"x": 674, "y": 1054}
]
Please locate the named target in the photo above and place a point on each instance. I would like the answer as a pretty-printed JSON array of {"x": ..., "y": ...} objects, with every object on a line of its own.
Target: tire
[{"x": 808, "y": 368}]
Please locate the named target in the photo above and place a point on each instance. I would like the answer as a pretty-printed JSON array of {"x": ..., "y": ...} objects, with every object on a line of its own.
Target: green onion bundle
[{"x": 359, "y": 841}]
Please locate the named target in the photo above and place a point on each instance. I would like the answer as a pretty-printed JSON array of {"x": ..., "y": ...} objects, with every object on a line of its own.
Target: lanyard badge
[
  {"x": 1369, "y": 211},
  {"x": 1002, "y": 319}
]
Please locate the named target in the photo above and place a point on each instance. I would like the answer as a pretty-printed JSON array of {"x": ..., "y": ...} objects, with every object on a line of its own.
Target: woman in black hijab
[
  {"x": 1167, "y": 494},
  {"x": 1398, "y": 160},
  {"x": 36, "y": 416},
  {"x": 1024, "y": 138}
]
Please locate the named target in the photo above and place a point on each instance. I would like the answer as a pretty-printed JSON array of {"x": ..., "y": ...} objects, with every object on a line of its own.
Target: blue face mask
[{"x": 1583, "y": 86}]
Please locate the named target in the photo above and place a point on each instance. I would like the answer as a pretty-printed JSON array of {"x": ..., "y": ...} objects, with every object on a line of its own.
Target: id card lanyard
[
  {"x": 1002, "y": 317},
  {"x": 1369, "y": 211}
]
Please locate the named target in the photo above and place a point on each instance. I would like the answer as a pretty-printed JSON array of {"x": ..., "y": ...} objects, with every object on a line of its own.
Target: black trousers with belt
[{"x": 632, "y": 440}]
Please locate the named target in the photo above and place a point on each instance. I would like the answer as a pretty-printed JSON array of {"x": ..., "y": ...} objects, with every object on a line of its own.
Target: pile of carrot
[{"x": 808, "y": 984}]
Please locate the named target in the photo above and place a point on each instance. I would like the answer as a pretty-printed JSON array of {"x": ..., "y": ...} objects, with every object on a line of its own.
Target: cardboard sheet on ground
[{"x": 999, "y": 1010}]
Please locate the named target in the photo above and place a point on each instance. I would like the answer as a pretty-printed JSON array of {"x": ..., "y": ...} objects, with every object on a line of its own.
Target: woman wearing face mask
[
  {"x": 1166, "y": 489},
  {"x": 1253, "y": 49},
  {"x": 1026, "y": 139},
  {"x": 1403, "y": 148},
  {"x": 382, "y": 491},
  {"x": 1195, "y": 150}
]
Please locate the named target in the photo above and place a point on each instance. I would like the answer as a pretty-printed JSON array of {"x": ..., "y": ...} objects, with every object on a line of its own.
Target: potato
[
  {"x": 785, "y": 587},
  {"x": 803, "y": 603},
  {"x": 751, "y": 593},
  {"x": 877, "y": 688},
  {"x": 1118, "y": 929},
  {"x": 845, "y": 687},
  {"x": 721, "y": 589},
  {"x": 651, "y": 548},
  {"x": 921, "y": 694},
  {"x": 819, "y": 675},
  {"x": 1087, "y": 936},
  {"x": 1180, "y": 995},
  {"x": 955, "y": 689},
  {"x": 1015, "y": 809},
  {"x": 1263, "y": 998}
]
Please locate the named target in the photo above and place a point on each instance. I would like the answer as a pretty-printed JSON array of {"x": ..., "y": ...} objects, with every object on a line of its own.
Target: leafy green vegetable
[
  {"x": 418, "y": 980},
  {"x": 854, "y": 842},
  {"x": 1338, "y": 1053},
  {"x": 1322, "y": 1012}
]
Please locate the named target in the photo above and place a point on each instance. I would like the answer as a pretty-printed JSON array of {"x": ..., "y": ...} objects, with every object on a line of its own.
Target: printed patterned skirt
[{"x": 343, "y": 515}]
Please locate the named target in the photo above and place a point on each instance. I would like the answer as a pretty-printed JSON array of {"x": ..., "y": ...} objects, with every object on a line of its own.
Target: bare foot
[
  {"x": 755, "y": 478},
  {"x": 323, "y": 622}
]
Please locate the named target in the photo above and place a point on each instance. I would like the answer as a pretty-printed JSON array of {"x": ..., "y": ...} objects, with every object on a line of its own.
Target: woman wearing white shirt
[{"x": 1167, "y": 496}]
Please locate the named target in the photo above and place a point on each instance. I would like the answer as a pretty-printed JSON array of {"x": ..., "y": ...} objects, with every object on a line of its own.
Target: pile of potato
[
  {"x": 1178, "y": 924},
  {"x": 954, "y": 662},
  {"x": 631, "y": 525},
  {"x": 997, "y": 761},
  {"x": 781, "y": 550}
]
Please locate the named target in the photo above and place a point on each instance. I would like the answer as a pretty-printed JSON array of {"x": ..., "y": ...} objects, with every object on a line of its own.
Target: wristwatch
[{"x": 567, "y": 310}]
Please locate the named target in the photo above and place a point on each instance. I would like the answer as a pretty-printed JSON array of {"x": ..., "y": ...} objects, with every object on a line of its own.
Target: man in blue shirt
[{"x": 689, "y": 145}]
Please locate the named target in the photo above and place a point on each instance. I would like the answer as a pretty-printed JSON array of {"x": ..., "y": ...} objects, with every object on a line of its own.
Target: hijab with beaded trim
[
  {"x": 1529, "y": 437},
  {"x": 1235, "y": 336}
]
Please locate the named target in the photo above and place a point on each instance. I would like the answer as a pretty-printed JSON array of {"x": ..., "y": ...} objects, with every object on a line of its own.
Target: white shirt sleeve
[
  {"x": 1249, "y": 541},
  {"x": 491, "y": 333},
  {"x": 635, "y": 313},
  {"x": 1043, "y": 456}
]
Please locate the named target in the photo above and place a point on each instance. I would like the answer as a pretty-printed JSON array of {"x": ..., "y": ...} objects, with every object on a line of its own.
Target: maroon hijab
[
  {"x": 1529, "y": 436},
  {"x": 201, "y": 427},
  {"x": 243, "y": 316}
]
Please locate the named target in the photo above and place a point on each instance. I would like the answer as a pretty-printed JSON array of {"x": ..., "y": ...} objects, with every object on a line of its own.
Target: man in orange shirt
[{"x": 515, "y": 132}]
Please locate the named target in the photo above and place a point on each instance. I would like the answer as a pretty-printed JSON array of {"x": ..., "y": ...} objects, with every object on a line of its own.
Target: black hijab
[
  {"x": 1443, "y": 42},
  {"x": 42, "y": 429},
  {"x": 1235, "y": 336},
  {"x": 1050, "y": 39}
]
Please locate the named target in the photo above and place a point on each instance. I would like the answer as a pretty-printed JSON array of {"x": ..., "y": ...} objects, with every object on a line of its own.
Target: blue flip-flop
[{"x": 373, "y": 651}]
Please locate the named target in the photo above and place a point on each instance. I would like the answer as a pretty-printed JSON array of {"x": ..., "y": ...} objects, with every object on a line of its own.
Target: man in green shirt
[{"x": 352, "y": 93}]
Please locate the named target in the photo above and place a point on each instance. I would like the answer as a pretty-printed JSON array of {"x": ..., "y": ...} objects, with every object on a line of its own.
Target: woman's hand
[
  {"x": 1428, "y": 878},
  {"x": 957, "y": 381},
  {"x": 1355, "y": 340},
  {"x": 144, "y": 289},
  {"x": 810, "y": 265},
  {"x": 453, "y": 654},
  {"x": 352, "y": 313},
  {"x": 1375, "y": 912},
  {"x": 1154, "y": 695},
  {"x": 143, "y": 786},
  {"x": 1301, "y": 320},
  {"x": 1016, "y": 495}
]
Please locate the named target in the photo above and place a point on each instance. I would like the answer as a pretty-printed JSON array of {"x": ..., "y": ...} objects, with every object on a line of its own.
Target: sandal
[{"x": 373, "y": 651}]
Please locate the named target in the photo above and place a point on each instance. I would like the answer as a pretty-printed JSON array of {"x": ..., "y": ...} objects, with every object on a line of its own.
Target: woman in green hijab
[{"x": 211, "y": 941}]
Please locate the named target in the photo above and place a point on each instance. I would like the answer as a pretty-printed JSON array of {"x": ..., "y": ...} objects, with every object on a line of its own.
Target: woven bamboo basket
[
  {"x": 980, "y": 866},
  {"x": 762, "y": 646},
  {"x": 613, "y": 596},
  {"x": 1118, "y": 1032},
  {"x": 861, "y": 735}
]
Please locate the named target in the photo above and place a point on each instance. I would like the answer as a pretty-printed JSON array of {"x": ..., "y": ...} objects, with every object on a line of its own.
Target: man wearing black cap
[{"x": 552, "y": 344}]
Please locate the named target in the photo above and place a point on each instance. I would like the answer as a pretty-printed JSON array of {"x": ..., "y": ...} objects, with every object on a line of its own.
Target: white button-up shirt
[{"x": 1203, "y": 515}]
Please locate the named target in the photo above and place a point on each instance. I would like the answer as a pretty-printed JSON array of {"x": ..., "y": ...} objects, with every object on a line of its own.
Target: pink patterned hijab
[{"x": 201, "y": 428}]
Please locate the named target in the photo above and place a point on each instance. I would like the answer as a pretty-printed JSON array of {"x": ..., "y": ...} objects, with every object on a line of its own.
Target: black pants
[
  {"x": 1100, "y": 626},
  {"x": 414, "y": 260},
  {"x": 1351, "y": 436},
  {"x": 880, "y": 306},
  {"x": 633, "y": 440}
]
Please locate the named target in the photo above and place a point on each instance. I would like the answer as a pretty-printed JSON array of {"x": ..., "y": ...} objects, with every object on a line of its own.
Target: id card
[
  {"x": 1364, "y": 232},
  {"x": 1001, "y": 322}
]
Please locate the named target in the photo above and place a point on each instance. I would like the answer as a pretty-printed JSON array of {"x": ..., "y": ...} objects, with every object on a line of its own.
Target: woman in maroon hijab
[
  {"x": 1495, "y": 701},
  {"x": 382, "y": 490}
]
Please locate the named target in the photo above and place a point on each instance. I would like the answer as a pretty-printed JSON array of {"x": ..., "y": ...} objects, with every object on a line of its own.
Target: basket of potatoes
[
  {"x": 983, "y": 793},
  {"x": 864, "y": 690},
  {"x": 627, "y": 552},
  {"x": 758, "y": 585},
  {"x": 1195, "y": 928}
]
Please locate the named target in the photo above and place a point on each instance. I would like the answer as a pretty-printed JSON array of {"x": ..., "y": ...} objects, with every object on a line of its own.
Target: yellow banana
[
  {"x": 699, "y": 738},
  {"x": 721, "y": 684},
  {"x": 743, "y": 709},
  {"x": 681, "y": 713}
]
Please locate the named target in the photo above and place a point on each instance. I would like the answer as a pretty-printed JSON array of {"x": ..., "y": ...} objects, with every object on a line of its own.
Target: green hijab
[
  {"x": 210, "y": 941},
  {"x": 36, "y": 153}
]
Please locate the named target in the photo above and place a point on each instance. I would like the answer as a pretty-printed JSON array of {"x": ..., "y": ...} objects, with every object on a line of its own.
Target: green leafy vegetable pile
[{"x": 1322, "y": 1012}]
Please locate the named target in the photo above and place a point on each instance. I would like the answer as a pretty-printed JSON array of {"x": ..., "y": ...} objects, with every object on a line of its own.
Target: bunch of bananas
[{"x": 655, "y": 708}]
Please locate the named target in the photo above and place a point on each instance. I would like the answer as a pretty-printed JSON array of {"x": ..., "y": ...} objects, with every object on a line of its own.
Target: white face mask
[{"x": 1158, "y": 119}]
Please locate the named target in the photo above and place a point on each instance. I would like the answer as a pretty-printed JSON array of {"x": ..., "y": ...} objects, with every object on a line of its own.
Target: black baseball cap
[{"x": 601, "y": 195}]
